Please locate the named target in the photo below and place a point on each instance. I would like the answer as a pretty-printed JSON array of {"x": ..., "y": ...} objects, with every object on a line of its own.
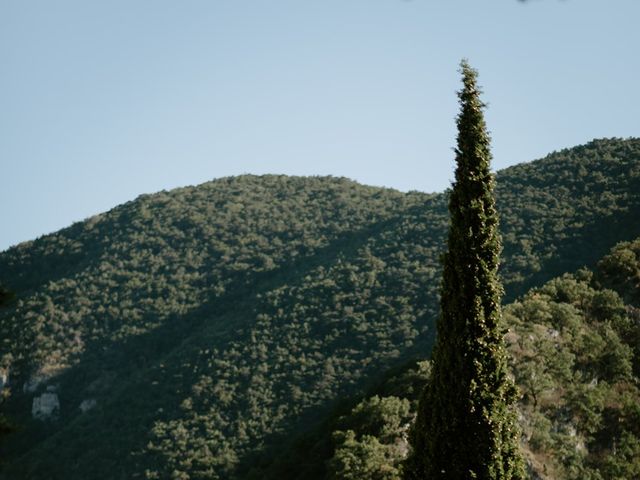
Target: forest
[
  {"x": 279, "y": 327},
  {"x": 574, "y": 348}
]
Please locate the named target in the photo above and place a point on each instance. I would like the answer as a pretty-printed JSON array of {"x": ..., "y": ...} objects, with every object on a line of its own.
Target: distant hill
[{"x": 187, "y": 334}]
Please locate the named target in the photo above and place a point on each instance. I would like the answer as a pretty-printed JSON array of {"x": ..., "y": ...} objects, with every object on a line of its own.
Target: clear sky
[{"x": 101, "y": 101}]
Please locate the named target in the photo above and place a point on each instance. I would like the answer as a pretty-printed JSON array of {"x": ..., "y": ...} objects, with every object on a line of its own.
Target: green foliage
[
  {"x": 371, "y": 443},
  {"x": 385, "y": 418},
  {"x": 466, "y": 422},
  {"x": 215, "y": 324},
  {"x": 580, "y": 419},
  {"x": 362, "y": 459},
  {"x": 574, "y": 369},
  {"x": 620, "y": 271}
]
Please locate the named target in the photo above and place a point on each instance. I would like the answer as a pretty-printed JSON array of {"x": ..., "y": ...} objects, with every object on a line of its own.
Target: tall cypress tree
[{"x": 466, "y": 426}]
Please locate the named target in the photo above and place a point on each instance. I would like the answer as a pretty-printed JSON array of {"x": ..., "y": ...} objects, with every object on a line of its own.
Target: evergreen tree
[{"x": 466, "y": 426}]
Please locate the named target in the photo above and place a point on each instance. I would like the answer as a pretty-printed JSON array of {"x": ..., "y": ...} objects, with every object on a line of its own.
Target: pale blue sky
[{"x": 101, "y": 101}]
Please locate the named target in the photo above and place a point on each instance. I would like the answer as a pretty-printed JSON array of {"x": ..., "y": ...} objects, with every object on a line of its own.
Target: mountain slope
[
  {"x": 574, "y": 350},
  {"x": 208, "y": 323}
]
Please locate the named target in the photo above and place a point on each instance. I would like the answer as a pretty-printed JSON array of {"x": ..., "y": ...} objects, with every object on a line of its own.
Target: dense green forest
[
  {"x": 574, "y": 347},
  {"x": 192, "y": 334}
]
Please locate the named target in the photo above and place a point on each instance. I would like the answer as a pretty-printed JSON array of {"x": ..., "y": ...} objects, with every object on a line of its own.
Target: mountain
[
  {"x": 574, "y": 347},
  {"x": 193, "y": 333}
]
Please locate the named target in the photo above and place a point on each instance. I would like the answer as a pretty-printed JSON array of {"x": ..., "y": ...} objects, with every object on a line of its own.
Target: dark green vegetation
[
  {"x": 575, "y": 344},
  {"x": 465, "y": 427},
  {"x": 574, "y": 349},
  {"x": 213, "y": 324},
  {"x": 5, "y": 425}
]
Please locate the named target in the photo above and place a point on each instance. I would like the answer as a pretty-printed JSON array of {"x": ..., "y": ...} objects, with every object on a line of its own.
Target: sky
[{"x": 101, "y": 101}]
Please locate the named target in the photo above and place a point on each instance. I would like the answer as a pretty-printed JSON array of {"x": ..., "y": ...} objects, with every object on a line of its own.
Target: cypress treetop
[{"x": 466, "y": 426}]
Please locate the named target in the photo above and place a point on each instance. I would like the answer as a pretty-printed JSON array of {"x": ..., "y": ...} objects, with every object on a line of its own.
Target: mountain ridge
[{"x": 322, "y": 281}]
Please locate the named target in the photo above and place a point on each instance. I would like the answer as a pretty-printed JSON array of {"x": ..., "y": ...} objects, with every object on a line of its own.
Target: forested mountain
[
  {"x": 189, "y": 334},
  {"x": 574, "y": 347}
]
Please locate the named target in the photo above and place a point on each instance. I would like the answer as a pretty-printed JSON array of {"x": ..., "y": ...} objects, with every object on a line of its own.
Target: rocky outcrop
[
  {"x": 533, "y": 472},
  {"x": 45, "y": 406},
  {"x": 4, "y": 378},
  {"x": 87, "y": 404}
]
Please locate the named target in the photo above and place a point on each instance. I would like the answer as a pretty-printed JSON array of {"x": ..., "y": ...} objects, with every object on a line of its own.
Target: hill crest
[{"x": 245, "y": 307}]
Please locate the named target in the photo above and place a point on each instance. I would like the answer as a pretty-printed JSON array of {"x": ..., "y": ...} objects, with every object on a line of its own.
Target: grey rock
[
  {"x": 4, "y": 378},
  {"x": 45, "y": 406},
  {"x": 532, "y": 472},
  {"x": 87, "y": 404}
]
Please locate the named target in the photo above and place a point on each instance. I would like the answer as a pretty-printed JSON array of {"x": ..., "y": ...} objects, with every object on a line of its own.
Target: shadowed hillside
[
  {"x": 574, "y": 347},
  {"x": 200, "y": 327}
]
